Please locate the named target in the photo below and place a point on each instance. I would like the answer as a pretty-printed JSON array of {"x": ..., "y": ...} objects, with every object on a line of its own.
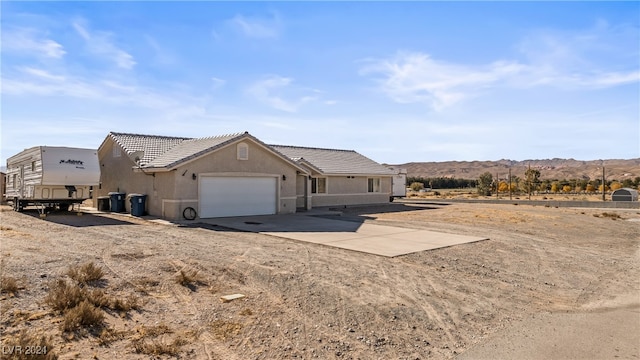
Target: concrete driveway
[{"x": 381, "y": 240}]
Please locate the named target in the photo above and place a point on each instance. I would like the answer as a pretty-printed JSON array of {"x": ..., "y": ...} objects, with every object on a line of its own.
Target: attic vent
[{"x": 243, "y": 151}]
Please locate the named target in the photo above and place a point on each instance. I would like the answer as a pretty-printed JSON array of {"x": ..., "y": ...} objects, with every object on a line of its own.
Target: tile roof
[
  {"x": 334, "y": 161},
  {"x": 191, "y": 148},
  {"x": 152, "y": 145},
  {"x": 167, "y": 151}
]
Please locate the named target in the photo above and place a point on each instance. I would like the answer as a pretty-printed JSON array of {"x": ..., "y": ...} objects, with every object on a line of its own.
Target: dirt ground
[{"x": 304, "y": 300}]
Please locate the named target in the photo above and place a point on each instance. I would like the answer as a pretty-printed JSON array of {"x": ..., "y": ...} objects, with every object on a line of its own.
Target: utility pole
[
  {"x": 529, "y": 181},
  {"x": 510, "y": 184},
  {"x": 604, "y": 185}
]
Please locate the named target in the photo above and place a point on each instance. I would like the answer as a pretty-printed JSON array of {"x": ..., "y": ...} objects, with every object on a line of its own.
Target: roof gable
[
  {"x": 166, "y": 152},
  {"x": 192, "y": 148},
  {"x": 334, "y": 161},
  {"x": 152, "y": 145}
]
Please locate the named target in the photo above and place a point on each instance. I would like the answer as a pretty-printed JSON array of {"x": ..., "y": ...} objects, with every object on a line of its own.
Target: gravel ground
[{"x": 305, "y": 300}]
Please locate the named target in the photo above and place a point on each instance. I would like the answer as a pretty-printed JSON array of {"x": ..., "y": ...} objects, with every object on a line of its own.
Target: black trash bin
[
  {"x": 117, "y": 202},
  {"x": 138, "y": 202},
  {"x": 103, "y": 203}
]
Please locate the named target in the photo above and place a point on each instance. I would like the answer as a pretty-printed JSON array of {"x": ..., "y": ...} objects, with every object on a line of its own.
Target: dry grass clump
[
  {"x": 85, "y": 315},
  {"x": 156, "y": 347},
  {"x": 85, "y": 274},
  {"x": 153, "y": 331},
  {"x": 40, "y": 346},
  {"x": 9, "y": 285},
  {"x": 64, "y": 295},
  {"x": 109, "y": 335},
  {"x": 100, "y": 299},
  {"x": 143, "y": 345},
  {"x": 223, "y": 329},
  {"x": 612, "y": 216},
  {"x": 190, "y": 278}
]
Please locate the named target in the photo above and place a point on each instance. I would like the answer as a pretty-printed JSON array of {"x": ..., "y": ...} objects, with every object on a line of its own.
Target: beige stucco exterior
[
  {"x": 172, "y": 188},
  {"x": 170, "y": 192},
  {"x": 352, "y": 190}
]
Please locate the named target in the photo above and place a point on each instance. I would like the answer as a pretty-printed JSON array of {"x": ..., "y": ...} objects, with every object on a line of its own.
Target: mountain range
[{"x": 615, "y": 169}]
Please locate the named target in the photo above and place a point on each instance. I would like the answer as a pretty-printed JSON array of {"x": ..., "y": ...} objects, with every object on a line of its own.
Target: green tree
[
  {"x": 532, "y": 177},
  {"x": 485, "y": 181}
]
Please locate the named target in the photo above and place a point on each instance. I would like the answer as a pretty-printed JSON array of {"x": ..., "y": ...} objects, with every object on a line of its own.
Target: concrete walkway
[{"x": 381, "y": 240}]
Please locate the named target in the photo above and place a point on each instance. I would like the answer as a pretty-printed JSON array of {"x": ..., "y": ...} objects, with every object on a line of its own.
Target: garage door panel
[{"x": 237, "y": 196}]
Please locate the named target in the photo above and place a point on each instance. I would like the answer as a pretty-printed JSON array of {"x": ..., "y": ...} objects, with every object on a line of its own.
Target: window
[
  {"x": 319, "y": 185},
  {"x": 373, "y": 185},
  {"x": 243, "y": 151},
  {"x": 33, "y": 166},
  {"x": 116, "y": 151},
  {"x": 15, "y": 183}
]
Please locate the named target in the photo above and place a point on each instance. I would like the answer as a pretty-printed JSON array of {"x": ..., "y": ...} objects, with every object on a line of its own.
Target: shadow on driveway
[{"x": 71, "y": 218}]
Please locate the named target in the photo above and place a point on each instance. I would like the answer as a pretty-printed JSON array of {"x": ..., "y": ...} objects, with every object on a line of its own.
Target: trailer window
[
  {"x": 33, "y": 166},
  {"x": 15, "y": 176}
]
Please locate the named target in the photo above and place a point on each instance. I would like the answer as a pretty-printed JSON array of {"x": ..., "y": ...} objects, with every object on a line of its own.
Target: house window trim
[
  {"x": 371, "y": 185},
  {"x": 314, "y": 188},
  {"x": 242, "y": 151}
]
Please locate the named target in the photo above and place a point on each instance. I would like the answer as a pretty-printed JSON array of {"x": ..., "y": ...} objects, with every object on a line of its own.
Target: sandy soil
[{"x": 309, "y": 301}]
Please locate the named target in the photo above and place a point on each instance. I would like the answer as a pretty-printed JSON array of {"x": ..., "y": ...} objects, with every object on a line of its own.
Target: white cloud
[
  {"x": 100, "y": 43},
  {"x": 416, "y": 77},
  {"x": 273, "y": 89},
  {"x": 257, "y": 27},
  {"x": 217, "y": 83},
  {"x": 595, "y": 58},
  {"x": 41, "y": 74},
  {"x": 31, "y": 41}
]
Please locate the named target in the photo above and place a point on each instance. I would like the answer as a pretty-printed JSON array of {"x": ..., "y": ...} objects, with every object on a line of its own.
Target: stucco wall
[
  {"x": 168, "y": 193},
  {"x": 342, "y": 190},
  {"x": 117, "y": 174}
]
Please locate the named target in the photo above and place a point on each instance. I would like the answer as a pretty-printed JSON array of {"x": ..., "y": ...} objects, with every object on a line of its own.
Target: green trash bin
[
  {"x": 117, "y": 202},
  {"x": 138, "y": 202}
]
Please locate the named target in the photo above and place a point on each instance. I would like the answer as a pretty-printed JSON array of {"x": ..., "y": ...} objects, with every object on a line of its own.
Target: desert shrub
[
  {"x": 100, "y": 299},
  {"x": 223, "y": 329},
  {"x": 85, "y": 315},
  {"x": 612, "y": 216},
  {"x": 9, "y": 285},
  {"x": 125, "y": 305},
  {"x": 416, "y": 186},
  {"x": 64, "y": 295},
  {"x": 190, "y": 278},
  {"x": 155, "y": 348},
  {"x": 86, "y": 273},
  {"x": 27, "y": 339},
  {"x": 109, "y": 335}
]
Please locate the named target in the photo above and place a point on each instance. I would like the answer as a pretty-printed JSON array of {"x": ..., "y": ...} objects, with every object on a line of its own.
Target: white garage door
[{"x": 237, "y": 196}]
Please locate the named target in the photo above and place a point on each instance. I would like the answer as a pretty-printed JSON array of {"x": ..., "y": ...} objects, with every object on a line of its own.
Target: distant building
[{"x": 624, "y": 194}]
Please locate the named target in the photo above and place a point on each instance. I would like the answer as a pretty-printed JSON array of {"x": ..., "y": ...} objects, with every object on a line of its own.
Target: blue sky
[{"x": 398, "y": 82}]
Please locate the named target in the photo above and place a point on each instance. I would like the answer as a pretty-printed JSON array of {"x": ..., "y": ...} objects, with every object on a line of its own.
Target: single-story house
[{"x": 235, "y": 175}]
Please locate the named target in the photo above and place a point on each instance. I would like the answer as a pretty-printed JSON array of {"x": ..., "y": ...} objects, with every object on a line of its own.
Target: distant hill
[{"x": 549, "y": 169}]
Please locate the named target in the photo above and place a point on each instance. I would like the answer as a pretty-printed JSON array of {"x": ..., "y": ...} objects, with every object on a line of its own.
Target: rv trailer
[{"x": 50, "y": 177}]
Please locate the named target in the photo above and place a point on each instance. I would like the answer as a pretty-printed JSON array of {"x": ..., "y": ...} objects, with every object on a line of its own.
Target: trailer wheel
[{"x": 64, "y": 207}]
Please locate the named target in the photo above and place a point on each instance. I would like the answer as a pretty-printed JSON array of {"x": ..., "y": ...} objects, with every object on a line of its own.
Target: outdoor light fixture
[
  {"x": 193, "y": 176},
  {"x": 284, "y": 178}
]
